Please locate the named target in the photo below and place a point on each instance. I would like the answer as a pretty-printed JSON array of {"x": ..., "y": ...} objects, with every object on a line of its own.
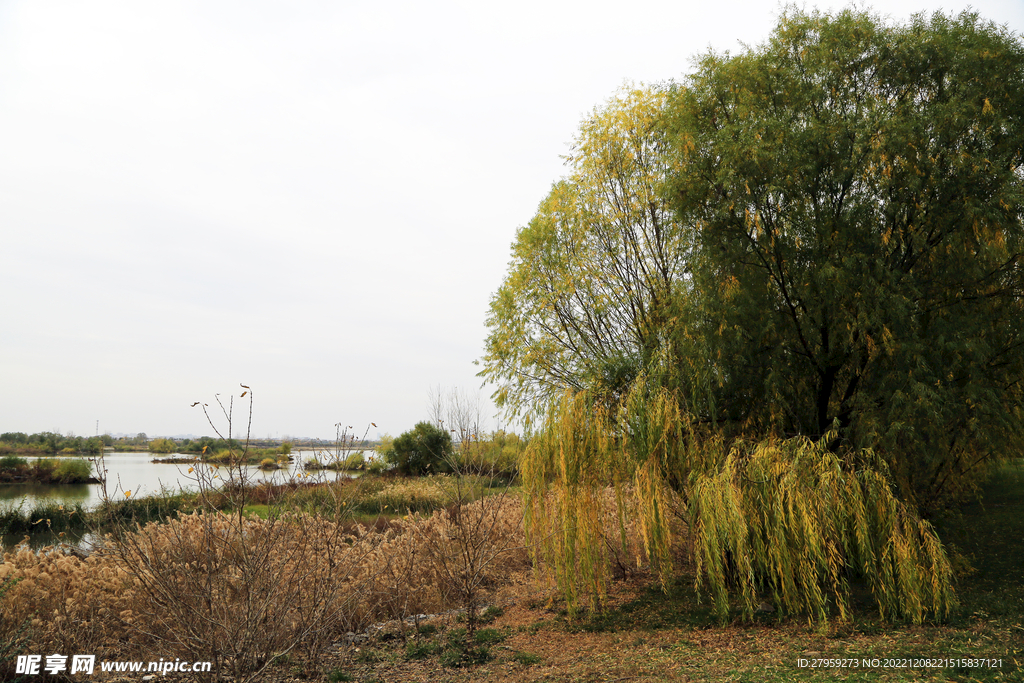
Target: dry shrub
[
  {"x": 428, "y": 564},
  {"x": 422, "y": 494},
  {"x": 473, "y": 548},
  {"x": 237, "y": 591},
  {"x": 398, "y": 579}
]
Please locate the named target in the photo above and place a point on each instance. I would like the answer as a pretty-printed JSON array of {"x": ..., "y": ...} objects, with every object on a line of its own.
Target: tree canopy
[
  {"x": 593, "y": 275},
  {"x": 823, "y": 230},
  {"x": 856, "y": 195}
]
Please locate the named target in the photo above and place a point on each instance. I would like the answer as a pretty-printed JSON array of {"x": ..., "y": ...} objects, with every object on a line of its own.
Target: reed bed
[{"x": 239, "y": 591}]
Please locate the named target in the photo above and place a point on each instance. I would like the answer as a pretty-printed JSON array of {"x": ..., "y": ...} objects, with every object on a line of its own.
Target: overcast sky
[{"x": 316, "y": 199}]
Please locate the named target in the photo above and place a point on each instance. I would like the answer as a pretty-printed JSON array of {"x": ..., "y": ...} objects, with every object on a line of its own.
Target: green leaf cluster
[
  {"x": 856, "y": 193},
  {"x": 594, "y": 276}
]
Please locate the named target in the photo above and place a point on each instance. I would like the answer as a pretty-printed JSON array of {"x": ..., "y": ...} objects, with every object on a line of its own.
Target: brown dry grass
[{"x": 240, "y": 590}]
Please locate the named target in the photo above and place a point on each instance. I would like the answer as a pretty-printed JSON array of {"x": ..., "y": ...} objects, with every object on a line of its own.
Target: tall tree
[
  {"x": 596, "y": 273},
  {"x": 845, "y": 266},
  {"x": 856, "y": 190}
]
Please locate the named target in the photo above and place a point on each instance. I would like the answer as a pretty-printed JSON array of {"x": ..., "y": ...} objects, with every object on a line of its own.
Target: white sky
[{"x": 316, "y": 199}]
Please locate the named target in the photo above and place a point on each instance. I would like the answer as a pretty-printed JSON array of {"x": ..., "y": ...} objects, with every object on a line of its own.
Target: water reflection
[
  {"x": 135, "y": 472},
  {"x": 72, "y": 493}
]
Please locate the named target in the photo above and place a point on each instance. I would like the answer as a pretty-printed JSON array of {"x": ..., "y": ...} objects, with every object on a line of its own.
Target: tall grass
[
  {"x": 240, "y": 590},
  {"x": 43, "y": 516}
]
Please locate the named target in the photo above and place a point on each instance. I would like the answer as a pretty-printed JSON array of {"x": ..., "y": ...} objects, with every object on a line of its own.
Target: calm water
[{"x": 135, "y": 472}]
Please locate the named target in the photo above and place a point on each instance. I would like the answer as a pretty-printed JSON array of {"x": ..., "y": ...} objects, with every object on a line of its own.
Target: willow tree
[
  {"x": 856, "y": 190},
  {"x": 842, "y": 282},
  {"x": 596, "y": 274}
]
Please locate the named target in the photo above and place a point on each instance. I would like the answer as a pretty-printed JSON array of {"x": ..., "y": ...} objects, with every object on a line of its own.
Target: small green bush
[
  {"x": 43, "y": 468},
  {"x": 422, "y": 450},
  {"x": 489, "y": 636},
  {"x": 73, "y": 471},
  {"x": 461, "y": 656},
  {"x": 491, "y": 613}
]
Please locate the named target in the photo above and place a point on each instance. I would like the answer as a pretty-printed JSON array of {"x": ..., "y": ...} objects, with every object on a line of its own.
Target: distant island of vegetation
[{"x": 17, "y": 470}]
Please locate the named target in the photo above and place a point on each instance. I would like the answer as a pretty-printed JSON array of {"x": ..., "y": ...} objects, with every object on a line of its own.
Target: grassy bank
[
  {"x": 365, "y": 500},
  {"x": 42, "y": 516}
]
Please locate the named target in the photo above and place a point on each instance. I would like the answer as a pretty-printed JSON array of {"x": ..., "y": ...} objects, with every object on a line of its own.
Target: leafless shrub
[
  {"x": 236, "y": 592},
  {"x": 475, "y": 541}
]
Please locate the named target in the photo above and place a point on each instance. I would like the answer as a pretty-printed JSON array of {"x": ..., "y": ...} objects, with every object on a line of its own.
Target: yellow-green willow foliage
[
  {"x": 785, "y": 521},
  {"x": 565, "y": 522},
  {"x": 567, "y": 470},
  {"x": 596, "y": 274}
]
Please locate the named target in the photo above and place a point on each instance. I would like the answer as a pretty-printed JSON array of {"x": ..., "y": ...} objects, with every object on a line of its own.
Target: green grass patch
[
  {"x": 261, "y": 511},
  {"x": 456, "y": 657},
  {"x": 421, "y": 649},
  {"x": 526, "y": 658},
  {"x": 653, "y": 609},
  {"x": 986, "y": 538},
  {"x": 490, "y": 636},
  {"x": 491, "y": 613}
]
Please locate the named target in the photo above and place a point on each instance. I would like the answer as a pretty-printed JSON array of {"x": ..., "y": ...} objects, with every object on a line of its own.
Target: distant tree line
[{"x": 52, "y": 442}]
